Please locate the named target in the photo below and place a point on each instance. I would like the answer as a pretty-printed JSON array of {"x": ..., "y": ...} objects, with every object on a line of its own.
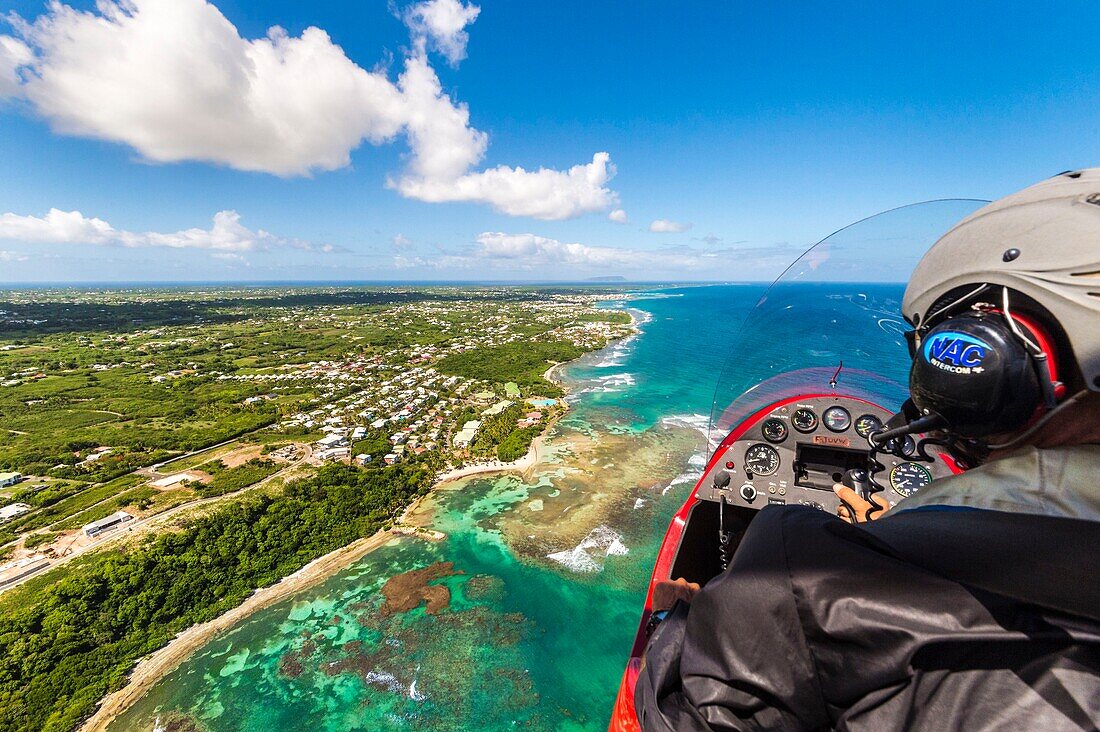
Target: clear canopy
[{"x": 834, "y": 315}]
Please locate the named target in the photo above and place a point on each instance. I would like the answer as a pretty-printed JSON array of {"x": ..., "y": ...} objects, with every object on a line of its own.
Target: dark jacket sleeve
[{"x": 738, "y": 660}]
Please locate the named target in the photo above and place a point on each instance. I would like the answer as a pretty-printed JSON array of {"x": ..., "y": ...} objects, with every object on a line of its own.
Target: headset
[{"x": 984, "y": 370}]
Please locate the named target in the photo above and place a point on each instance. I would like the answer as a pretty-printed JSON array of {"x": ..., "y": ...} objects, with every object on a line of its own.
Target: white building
[
  {"x": 113, "y": 521},
  {"x": 7, "y": 479},
  {"x": 332, "y": 440}
]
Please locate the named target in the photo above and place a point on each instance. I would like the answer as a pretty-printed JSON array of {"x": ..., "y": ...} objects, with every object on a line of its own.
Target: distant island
[{"x": 607, "y": 278}]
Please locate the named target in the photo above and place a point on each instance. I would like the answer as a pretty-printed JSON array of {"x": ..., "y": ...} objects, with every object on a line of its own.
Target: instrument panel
[{"x": 797, "y": 451}]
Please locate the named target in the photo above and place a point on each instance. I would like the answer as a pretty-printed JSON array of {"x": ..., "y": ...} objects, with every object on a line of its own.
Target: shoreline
[{"x": 151, "y": 669}]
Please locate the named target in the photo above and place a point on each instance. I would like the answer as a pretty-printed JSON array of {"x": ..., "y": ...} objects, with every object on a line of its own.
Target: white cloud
[
  {"x": 442, "y": 25},
  {"x": 664, "y": 226},
  {"x": 72, "y": 227},
  {"x": 539, "y": 257},
  {"x": 13, "y": 54},
  {"x": 401, "y": 241},
  {"x": 8, "y": 256},
  {"x": 232, "y": 258},
  {"x": 529, "y": 251},
  {"x": 175, "y": 80},
  {"x": 618, "y": 216},
  {"x": 542, "y": 194}
]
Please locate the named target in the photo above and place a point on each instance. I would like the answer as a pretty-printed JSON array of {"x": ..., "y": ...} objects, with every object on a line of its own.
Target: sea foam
[{"x": 589, "y": 555}]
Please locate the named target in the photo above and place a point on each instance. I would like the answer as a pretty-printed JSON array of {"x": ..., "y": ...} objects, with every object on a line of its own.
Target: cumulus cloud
[
  {"x": 227, "y": 234},
  {"x": 13, "y": 55},
  {"x": 664, "y": 226},
  {"x": 542, "y": 194},
  {"x": 401, "y": 241},
  {"x": 175, "y": 80},
  {"x": 441, "y": 25},
  {"x": 618, "y": 216},
  {"x": 7, "y": 256}
]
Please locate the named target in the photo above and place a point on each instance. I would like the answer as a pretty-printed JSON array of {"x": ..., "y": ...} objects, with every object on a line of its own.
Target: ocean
[{"x": 544, "y": 576}]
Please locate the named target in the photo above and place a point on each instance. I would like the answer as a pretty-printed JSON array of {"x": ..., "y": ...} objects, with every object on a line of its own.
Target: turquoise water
[{"x": 525, "y": 641}]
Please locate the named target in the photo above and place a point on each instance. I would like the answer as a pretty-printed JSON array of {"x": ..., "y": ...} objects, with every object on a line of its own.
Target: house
[
  {"x": 7, "y": 479},
  {"x": 511, "y": 389},
  {"x": 390, "y": 458},
  {"x": 116, "y": 519},
  {"x": 332, "y": 440},
  {"x": 7, "y": 513},
  {"x": 333, "y": 453},
  {"x": 466, "y": 435},
  {"x": 358, "y": 433}
]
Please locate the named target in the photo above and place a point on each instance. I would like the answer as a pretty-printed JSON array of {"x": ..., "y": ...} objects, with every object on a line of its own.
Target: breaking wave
[{"x": 588, "y": 556}]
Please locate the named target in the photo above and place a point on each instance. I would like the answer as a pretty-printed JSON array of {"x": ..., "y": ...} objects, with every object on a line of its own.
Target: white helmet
[{"x": 1043, "y": 242}]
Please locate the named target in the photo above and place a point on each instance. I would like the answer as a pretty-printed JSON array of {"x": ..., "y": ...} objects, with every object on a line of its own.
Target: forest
[
  {"x": 523, "y": 363},
  {"x": 70, "y": 637}
]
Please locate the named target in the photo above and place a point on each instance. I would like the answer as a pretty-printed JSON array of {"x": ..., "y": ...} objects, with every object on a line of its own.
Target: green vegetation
[
  {"x": 69, "y": 507},
  {"x": 94, "y": 385},
  {"x": 36, "y": 540},
  {"x": 523, "y": 363},
  {"x": 617, "y": 317},
  {"x": 516, "y": 444},
  {"x": 227, "y": 480},
  {"x": 70, "y": 637}
]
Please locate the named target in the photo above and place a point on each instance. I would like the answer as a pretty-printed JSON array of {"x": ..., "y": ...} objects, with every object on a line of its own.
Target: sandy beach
[
  {"x": 162, "y": 662},
  {"x": 159, "y": 664}
]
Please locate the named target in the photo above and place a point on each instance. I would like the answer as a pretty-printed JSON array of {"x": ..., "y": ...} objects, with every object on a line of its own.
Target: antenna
[{"x": 836, "y": 375}]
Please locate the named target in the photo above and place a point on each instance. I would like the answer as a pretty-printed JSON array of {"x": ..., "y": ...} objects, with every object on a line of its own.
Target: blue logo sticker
[{"x": 956, "y": 352}]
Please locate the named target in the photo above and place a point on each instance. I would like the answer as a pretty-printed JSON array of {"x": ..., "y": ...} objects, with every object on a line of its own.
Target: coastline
[{"x": 151, "y": 669}]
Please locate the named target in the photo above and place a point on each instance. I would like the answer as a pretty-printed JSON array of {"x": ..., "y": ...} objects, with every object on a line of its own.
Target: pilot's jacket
[{"x": 974, "y": 605}]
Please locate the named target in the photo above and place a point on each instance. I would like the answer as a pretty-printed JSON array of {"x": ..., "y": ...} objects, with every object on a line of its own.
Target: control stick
[{"x": 860, "y": 481}]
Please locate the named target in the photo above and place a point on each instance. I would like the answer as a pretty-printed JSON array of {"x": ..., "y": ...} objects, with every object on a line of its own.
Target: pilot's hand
[
  {"x": 855, "y": 509},
  {"x": 667, "y": 592}
]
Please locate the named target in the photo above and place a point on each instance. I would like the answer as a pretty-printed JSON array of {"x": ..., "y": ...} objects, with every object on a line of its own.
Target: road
[{"x": 145, "y": 525}]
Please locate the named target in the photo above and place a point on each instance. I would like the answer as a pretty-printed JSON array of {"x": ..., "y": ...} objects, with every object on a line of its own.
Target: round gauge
[
  {"x": 761, "y": 459},
  {"x": 804, "y": 420},
  {"x": 774, "y": 430},
  {"x": 866, "y": 424},
  {"x": 908, "y": 478},
  {"x": 909, "y": 447},
  {"x": 837, "y": 419}
]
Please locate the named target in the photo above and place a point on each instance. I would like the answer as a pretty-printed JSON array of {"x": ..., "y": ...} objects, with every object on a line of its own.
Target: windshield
[{"x": 834, "y": 315}]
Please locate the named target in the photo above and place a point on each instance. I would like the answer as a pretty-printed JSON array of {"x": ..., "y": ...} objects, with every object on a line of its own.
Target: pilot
[{"x": 976, "y": 603}]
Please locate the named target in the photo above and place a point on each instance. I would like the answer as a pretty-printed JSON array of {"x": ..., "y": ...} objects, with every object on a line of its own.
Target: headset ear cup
[{"x": 976, "y": 374}]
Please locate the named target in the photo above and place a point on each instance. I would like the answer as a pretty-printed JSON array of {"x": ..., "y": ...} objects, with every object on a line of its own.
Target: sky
[{"x": 240, "y": 140}]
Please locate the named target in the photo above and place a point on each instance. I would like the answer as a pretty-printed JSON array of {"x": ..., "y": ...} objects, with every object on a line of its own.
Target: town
[{"x": 116, "y": 425}]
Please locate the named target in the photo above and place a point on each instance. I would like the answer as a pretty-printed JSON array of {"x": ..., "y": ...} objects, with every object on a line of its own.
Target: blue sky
[{"x": 763, "y": 126}]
